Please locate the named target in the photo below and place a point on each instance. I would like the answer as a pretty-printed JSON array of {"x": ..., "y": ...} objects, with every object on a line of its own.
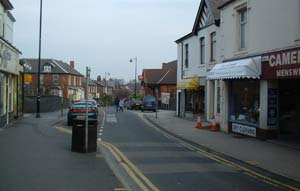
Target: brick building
[{"x": 57, "y": 79}]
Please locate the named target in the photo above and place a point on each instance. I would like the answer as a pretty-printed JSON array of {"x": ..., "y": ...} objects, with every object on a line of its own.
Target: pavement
[
  {"x": 271, "y": 156},
  {"x": 36, "y": 156}
]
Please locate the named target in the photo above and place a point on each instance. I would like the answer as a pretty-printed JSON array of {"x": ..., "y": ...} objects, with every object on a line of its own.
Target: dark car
[
  {"x": 135, "y": 104},
  {"x": 149, "y": 103},
  {"x": 78, "y": 109}
]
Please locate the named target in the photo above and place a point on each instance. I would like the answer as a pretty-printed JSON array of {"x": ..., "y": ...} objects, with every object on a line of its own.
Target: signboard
[
  {"x": 272, "y": 107},
  {"x": 140, "y": 77},
  {"x": 165, "y": 98},
  {"x": 9, "y": 60},
  {"x": 282, "y": 64},
  {"x": 244, "y": 129},
  {"x": 27, "y": 78}
]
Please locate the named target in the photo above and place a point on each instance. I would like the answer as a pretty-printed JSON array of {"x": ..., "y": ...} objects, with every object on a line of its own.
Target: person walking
[
  {"x": 117, "y": 102},
  {"x": 121, "y": 105}
]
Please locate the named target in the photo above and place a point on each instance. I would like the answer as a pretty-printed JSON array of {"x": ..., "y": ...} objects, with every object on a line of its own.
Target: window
[
  {"x": 244, "y": 104},
  {"x": 47, "y": 68},
  {"x": 187, "y": 55},
  {"x": 213, "y": 46},
  {"x": 1, "y": 24},
  {"x": 202, "y": 50},
  {"x": 218, "y": 97},
  {"x": 243, "y": 28},
  {"x": 55, "y": 79},
  {"x": 1, "y": 93}
]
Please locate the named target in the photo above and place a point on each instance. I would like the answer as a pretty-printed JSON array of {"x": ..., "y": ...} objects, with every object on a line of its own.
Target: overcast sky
[{"x": 104, "y": 34}]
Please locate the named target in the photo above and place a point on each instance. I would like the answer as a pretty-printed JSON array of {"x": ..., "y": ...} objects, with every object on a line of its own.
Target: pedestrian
[
  {"x": 117, "y": 102},
  {"x": 121, "y": 105}
]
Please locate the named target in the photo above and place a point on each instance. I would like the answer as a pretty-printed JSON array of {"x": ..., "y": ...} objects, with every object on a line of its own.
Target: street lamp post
[
  {"x": 106, "y": 73},
  {"x": 131, "y": 60},
  {"x": 38, "y": 97},
  {"x": 88, "y": 71}
]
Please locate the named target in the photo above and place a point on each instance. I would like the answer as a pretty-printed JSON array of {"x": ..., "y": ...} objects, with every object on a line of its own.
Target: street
[{"x": 167, "y": 164}]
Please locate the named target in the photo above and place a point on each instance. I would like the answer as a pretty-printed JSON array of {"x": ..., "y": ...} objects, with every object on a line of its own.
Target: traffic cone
[
  {"x": 214, "y": 126},
  {"x": 198, "y": 123}
]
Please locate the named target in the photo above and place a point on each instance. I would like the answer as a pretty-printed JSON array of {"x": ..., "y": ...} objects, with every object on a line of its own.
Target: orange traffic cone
[
  {"x": 214, "y": 126},
  {"x": 198, "y": 123}
]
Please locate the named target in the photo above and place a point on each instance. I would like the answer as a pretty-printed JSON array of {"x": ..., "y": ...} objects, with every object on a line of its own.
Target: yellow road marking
[
  {"x": 99, "y": 156},
  {"x": 226, "y": 162},
  {"x": 125, "y": 166},
  {"x": 252, "y": 162},
  {"x": 135, "y": 169},
  {"x": 118, "y": 155},
  {"x": 120, "y": 189}
]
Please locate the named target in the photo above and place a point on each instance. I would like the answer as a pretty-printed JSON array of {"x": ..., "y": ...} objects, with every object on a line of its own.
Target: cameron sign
[
  {"x": 244, "y": 129},
  {"x": 282, "y": 64}
]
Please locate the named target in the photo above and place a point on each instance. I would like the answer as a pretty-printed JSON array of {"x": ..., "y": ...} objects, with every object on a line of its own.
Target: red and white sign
[
  {"x": 281, "y": 64},
  {"x": 140, "y": 77}
]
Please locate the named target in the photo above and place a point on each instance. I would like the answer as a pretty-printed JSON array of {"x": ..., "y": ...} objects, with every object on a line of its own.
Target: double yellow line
[
  {"x": 137, "y": 176},
  {"x": 226, "y": 162}
]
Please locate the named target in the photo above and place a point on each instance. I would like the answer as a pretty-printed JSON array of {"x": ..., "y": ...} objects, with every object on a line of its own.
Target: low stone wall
[{"x": 48, "y": 104}]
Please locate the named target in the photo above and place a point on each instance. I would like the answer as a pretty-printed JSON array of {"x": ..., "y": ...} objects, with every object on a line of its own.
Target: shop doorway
[{"x": 289, "y": 108}]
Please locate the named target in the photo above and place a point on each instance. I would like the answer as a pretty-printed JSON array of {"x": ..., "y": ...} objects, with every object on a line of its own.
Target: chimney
[
  {"x": 99, "y": 78},
  {"x": 165, "y": 66},
  {"x": 72, "y": 64}
]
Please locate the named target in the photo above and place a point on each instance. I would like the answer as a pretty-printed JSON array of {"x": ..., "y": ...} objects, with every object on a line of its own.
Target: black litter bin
[{"x": 78, "y": 135}]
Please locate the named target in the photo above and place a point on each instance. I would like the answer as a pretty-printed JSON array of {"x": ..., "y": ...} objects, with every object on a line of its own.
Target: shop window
[
  {"x": 218, "y": 97},
  {"x": 194, "y": 101},
  {"x": 244, "y": 102}
]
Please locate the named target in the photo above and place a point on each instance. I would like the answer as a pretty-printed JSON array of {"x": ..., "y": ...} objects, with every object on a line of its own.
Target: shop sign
[
  {"x": 8, "y": 60},
  {"x": 282, "y": 64},
  {"x": 272, "y": 107},
  {"x": 244, "y": 129},
  {"x": 27, "y": 78}
]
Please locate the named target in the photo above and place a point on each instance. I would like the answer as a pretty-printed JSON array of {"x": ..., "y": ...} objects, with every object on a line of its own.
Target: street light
[
  {"x": 38, "y": 97},
  {"x": 88, "y": 72},
  {"x": 131, "y": 60},
  {"x": 106, "y": 73}
]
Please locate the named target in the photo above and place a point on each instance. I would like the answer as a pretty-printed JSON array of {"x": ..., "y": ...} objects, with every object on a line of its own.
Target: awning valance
[
  {"x": 249, "y": 68},
  {"x": 192, "y": 83}
]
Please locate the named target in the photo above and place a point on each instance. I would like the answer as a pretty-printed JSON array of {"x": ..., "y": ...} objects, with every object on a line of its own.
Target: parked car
[
  {"x": 92, "y": 101},
  {"x": 135, "y": 104},
  {"x": 149, "y": 103},
  {"x": 78, "y": 109}
]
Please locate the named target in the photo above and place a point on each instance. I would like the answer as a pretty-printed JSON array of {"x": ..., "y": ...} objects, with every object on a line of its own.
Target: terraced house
[{"x": 10, "y": 68}]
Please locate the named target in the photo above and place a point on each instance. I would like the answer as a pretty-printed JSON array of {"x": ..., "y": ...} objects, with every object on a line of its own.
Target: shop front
[
  {"x": 282, "y": 69},
  {"x": 191, "y": 98},
  {"x": 242, "y": 95},
  {"x": 9, "y": 79}
]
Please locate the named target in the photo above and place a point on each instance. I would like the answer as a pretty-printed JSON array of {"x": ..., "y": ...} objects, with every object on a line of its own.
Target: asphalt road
[
  {"x": 34, "y": 156},
  {"x": 171, "y": 166}
]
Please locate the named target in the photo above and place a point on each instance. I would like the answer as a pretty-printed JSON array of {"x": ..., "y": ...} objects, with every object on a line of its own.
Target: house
[
  {"x": 162, "y": 81},
  {"x": 10, "y": 68},
  {"x": 57, "y": 78},
  {"x": 259, "y": 65},
  {"x": 197, "y": 52}
]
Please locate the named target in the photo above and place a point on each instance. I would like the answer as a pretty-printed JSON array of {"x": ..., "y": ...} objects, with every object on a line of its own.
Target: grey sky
[{"x": 104, "y": 34}]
